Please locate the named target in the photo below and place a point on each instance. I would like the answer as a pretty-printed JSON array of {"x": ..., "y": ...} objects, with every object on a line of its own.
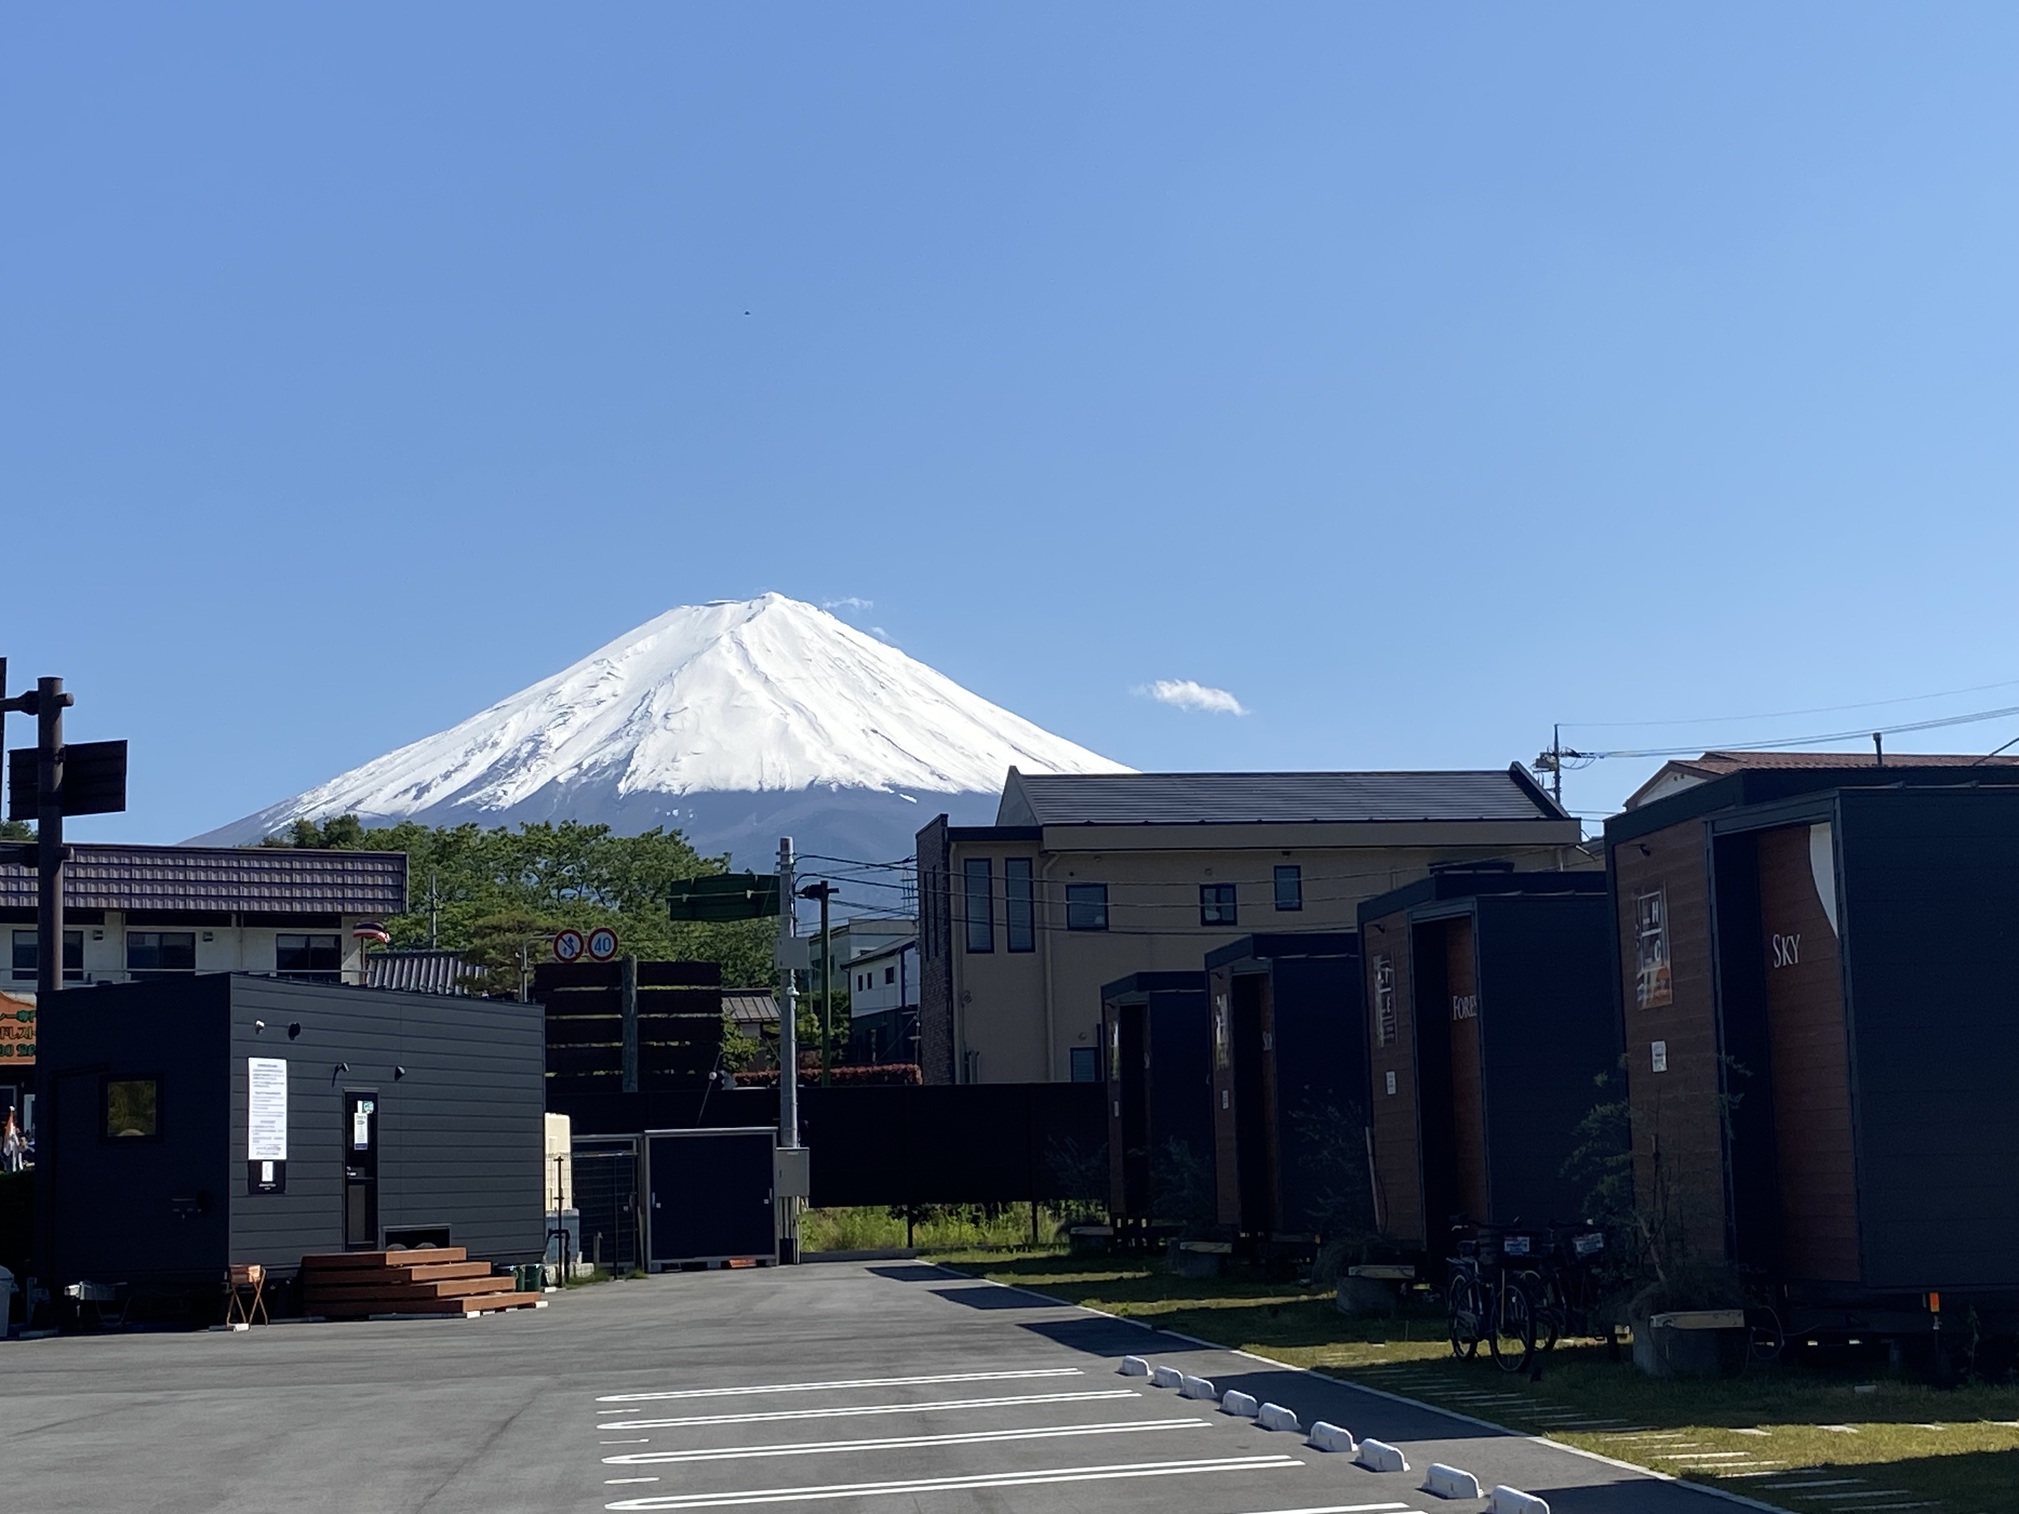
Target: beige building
[{"x": 1085, "y": 879}]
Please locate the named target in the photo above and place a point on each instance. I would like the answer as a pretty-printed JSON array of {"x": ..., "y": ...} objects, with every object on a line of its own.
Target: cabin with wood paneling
[
  {"x": 1822, "y": 1034},
  {"x": 1160, "y": 1088},
  {"x": 1490, "y": 1017},
  {"x": 1289, "y": 1072}
]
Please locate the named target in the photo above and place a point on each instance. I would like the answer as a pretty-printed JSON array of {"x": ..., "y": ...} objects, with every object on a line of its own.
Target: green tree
[
  {"x": 488, "y": 881},
  {"x": 16, "y": 830}
]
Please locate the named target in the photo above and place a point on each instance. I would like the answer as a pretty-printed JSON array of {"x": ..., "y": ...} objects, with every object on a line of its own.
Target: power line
[
  {"x": 1821, "y": 709},
  {"x": 1975, "y": 718}
]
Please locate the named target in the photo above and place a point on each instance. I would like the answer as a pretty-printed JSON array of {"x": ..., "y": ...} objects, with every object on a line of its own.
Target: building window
[
  {"x": 1086, "y": 1064},
  {"x": 160, "y": 953},
  {"x": 890, "y": 975},
  {"x": 1086, "y": 906},
  {"x": 1289, "y": 888},
  {"x": 980, "y": 926},
  {"x": 28, "y": 955},
  {"x": 308, "y": 957},
  {"x": 1386, "y": 1028},
  {"x": 1653, "y": 983},
  {"x": 132, "y": 1108},
  {"x": 1021, "y": 916},
  {"x": 1216, "y": 904}
]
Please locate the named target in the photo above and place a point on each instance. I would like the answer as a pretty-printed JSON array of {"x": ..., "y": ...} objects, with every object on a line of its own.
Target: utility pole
[
  {"x": 824, "y": 891},
  {"x": 788, "y": 1008},
  {"x": 788, "y": 1046},
  {"x": 1556, "y": 763},
  {"x": 434, "y": 911}
]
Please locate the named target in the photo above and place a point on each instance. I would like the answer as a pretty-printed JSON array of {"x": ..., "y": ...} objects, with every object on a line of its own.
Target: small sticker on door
[
  {"x": 361, "y": 1130},
  {"x": 1661, "y": 1056},
  {"x": 1391, "y": 1082}
]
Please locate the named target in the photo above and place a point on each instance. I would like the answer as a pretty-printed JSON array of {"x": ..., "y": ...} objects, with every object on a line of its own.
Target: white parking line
[
  {"x": 892, "y": 1443},
  {"x": 952, "y": 1484},
  {"x": 853, "y": 1382},
  {"x": 853, "y": 1410},
  {"x": 1348, "y": 1508}
]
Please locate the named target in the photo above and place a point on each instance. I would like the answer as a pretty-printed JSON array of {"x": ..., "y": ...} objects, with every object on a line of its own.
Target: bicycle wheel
[
  {"x": 1464, "y": 1306},
  {"x": 1550, "y": 1309},
  {"x": 1512, "y": 1339}
]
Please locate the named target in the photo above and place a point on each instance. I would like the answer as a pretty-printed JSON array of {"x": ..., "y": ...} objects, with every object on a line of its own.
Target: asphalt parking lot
[{"x": 882, "y": 1387}]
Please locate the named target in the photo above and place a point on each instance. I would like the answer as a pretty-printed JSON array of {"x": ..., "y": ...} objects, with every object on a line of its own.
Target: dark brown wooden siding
[
  {"x": 1397, "y": 1150},
  {"x": 1468, "y": 1090},
  {"x": 1226, "y": 1145},
  {"x": 1811, "y": 1065},
  {"x": 1678, "y": 1139}
]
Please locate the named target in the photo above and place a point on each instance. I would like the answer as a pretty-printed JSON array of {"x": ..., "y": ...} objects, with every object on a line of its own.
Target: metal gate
[{"x": 607, "y": 1197}]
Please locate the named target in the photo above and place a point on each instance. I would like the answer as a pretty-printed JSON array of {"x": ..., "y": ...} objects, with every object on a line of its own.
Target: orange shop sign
[{"x": 17, "y": 1030}]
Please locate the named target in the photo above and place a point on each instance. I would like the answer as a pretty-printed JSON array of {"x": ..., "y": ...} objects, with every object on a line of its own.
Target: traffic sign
[
  {"x": 567, "y": 945},
  {"x": 602, "y": 943},
  {"x": 726, "y": 896}
]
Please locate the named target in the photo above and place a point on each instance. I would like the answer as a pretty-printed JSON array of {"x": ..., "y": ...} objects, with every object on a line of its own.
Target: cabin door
[{"x": 361, "y": 1170}]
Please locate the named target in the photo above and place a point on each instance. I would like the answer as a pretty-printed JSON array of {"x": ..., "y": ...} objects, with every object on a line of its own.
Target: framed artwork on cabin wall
[{"x": 1653, "y": 984}]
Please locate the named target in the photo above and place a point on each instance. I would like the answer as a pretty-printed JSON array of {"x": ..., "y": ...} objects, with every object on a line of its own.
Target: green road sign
[{"x": 726, "y": 896}]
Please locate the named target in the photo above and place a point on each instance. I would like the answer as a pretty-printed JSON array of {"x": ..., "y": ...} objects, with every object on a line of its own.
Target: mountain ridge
[{"x": 724, "y": 720}]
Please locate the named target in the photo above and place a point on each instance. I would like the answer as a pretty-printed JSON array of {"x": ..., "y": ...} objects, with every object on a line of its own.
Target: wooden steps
[{"x": 438, "y": 1280}]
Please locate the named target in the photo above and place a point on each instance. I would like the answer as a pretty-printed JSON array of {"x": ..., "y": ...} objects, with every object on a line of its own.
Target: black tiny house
[
  {"x": 1160, "y": 1090},
  {"x": 1821, "y": 1045},
  {"x": 1490, "y": 1015},
  {"x": 206, "y": 1121},
  {"x": 1289, "y": 1066}
]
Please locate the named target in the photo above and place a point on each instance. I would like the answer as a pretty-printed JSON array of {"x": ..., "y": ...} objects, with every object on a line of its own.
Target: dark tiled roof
[
  {"x": 1269, "y": 798},
  {"x": 750, "y": 1009},
  {"x": 1719, "y": 764},
  {"x": 422, "y": 972},
  {"x": 253, "y": 878}
]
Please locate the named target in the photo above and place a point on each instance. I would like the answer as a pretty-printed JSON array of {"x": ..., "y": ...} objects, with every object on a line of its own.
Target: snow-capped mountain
[{"x": 737, "y": 722}]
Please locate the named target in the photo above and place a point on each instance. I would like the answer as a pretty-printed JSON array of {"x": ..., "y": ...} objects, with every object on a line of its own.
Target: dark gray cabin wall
[
  {"x": 461, "y": 1136},
  {"x": 1929, "y": 925},
  {"x": 105, "y": 1210},
  {"x": 1549, "y": 1032}
]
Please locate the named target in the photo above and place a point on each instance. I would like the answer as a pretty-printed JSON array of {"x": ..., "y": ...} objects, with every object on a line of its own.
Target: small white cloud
[
  {"x": 850, "y": 602},
  {"x": 882, "y": 635},
  {"x": 1189, "y": 695}
]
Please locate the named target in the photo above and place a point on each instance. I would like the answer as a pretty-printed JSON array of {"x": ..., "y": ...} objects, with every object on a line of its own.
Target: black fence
[{"x": 984, "y": 1143}]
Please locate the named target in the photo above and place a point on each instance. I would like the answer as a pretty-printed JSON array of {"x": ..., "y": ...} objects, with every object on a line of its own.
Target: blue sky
[{"x": 1420, "y": 375}]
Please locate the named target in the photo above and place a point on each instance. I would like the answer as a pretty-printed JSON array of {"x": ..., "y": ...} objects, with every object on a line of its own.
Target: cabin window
[
  {"x": 160, "y": 953},
  {"x": 1386, "y": 1029},
  {"x": 1289, "y": 888},
  {"x": 308, "y": 956},
  {"x": 28, "y": 955},
  {"x": 980, "y": 926},
  {"x": 1216, "y": 904},
  {"x": 1019, "y": 909},
  {"x": 132, "y": 1108},
  {"x": 890, "y": 975},
  {"x": 1086, "y": 906},
  {"x": 1654, "y": 983},
  {"x": 1086, "y": 1064}
]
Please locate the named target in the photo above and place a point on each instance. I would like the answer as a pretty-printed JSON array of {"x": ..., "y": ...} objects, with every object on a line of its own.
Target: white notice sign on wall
[{"x": 265, "y": 1109}]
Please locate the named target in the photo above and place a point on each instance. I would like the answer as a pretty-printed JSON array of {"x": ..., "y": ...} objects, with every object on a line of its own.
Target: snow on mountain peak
[{"x": 758, "y": 696}]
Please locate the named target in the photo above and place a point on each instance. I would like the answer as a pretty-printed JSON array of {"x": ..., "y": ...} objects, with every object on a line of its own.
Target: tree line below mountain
[{"x": 482, "y": 892}]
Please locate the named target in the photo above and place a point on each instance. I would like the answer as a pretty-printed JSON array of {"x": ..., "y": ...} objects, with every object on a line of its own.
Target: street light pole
[{"x": 824, "y": 891}]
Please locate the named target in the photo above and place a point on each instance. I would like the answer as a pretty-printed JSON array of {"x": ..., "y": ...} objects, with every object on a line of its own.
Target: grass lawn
[{"x": 1765, "y": 1434}]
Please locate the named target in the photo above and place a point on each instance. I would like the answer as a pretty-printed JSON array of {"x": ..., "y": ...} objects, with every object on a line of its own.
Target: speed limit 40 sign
[{"x": 602, "y": 944}]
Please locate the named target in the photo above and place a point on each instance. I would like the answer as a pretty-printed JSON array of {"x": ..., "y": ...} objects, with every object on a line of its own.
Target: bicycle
[{"x": 1488, "y": 1300}]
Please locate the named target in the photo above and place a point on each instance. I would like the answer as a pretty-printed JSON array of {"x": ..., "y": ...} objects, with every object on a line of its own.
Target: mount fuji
[{"x": 736, "y": 722}]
